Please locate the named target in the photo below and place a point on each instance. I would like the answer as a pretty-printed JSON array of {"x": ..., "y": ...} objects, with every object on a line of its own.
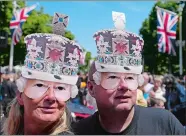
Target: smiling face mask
[
  {"x": 113, "y": 80},
  {"x": 37, "y": 89}
]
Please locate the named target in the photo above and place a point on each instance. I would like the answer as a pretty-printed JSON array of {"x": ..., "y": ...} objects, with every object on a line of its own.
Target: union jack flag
[
  {"x": 19, "y": 17},
  {"x": 166, "y": 31}
]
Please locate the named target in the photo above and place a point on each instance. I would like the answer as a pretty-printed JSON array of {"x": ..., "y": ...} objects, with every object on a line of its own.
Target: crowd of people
[
  {"x": 126, "y": 100},
  {"x": 7, "y": 90},
  {"x": 167, "y": 92}
]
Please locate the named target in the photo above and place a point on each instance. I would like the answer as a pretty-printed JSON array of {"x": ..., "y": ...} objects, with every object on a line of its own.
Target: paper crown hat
[
  {"x": 52, "y": 57},
  {"x": 117, "y": 49}
]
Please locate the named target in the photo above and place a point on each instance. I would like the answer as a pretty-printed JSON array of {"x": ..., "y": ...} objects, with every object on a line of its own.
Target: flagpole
[
  {"x": 180, "y": 46},
  {"x": 180, "y": 41},
  {"x": 11, "y": 57}
]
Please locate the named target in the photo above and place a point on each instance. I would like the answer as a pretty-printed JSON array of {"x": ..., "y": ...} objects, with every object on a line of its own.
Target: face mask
[
  {"x": 113, "y": 80},
  {"x": 38, "y": 89}
]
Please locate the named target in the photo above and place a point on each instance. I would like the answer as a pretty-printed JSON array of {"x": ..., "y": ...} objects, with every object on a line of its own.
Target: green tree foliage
[
  {"x": 37, "y": 22},
  {"x": 155, "y": 62},
  {"x": 69, "y": 35}
]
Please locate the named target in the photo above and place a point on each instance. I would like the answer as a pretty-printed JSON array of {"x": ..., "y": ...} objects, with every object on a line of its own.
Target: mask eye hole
[
  {"x": 39, "y": 85},
  {"x": 130, "y": 78},
  {"x": 60, "y": 88},
  {"x": 112, "y": 77}
]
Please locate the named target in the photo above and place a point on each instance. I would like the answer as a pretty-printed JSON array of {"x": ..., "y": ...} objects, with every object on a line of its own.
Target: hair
[
  {"x": 169, "y": 79},
  {"x": 158, "y": 78},
  {"x": 154, "y": 101},
  {"x": 14, "y": 124},
  {"x": 92, "y": 70}
]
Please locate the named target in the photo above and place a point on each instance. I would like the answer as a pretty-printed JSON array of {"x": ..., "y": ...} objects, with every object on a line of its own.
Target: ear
[
  {"x": 19, "y": 98},
  {"x": 90, "y": 88}
]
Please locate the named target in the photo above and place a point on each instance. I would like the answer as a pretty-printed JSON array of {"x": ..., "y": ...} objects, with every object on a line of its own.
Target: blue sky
[{"x": 88, "y": 17}]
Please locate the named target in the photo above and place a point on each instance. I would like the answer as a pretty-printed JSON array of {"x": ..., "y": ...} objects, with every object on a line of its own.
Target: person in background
[
  {"x": 151, "y": 78},
  {"x": 83, "y": 89},
  {"x": 140, "y": 99},
  {"x": 8, "y": 91},
  {"x": 157, "y": 101},
  {"x": 159, "y": 88},
  {"x": 113, "y": 81},
  {"x": 176, "y": 98},
  {"x": 47, "y": 82},
  {"x": 147, "y": 87},
  {"x": 79, "y": 80}
]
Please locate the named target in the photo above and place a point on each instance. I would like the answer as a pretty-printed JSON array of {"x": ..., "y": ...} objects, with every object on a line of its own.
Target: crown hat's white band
[
  {"x": 45, "y": 66},
  {"x": 119, "y": 60},
  {"x": 72, "y": 80},
  {"x": 116, "y": 68}
]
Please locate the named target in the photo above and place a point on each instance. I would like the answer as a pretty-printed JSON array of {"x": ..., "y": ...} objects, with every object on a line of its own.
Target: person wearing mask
[
  {"x": 113, "y": 81},
  {"x": 47, "y": 82}
]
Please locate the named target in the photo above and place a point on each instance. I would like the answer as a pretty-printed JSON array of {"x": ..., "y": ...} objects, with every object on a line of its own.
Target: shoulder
[
  {"x": 85, "y": 125},
  {"x": 180, "y": 87},
  {"x": 139, "y": 92},
  {"x": 161, "y": 118},
  {"x": 155, "y": 113}
]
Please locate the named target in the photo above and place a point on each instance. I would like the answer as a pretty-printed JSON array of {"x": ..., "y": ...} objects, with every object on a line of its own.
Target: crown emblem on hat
[
  {"x": 60, "y": 22},
  {"x": 118, "y": 50},
  {"x": 119, "y": 20}
]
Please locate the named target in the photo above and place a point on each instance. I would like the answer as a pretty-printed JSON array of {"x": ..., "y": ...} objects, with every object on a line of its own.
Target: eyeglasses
[
  {"x": 113, "y": 80},
  {"x": 38, "y": 89}
]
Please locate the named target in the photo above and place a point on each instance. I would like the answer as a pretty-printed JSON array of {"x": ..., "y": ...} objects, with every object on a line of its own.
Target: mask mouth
[
  {"x": 122, "y": 97},
  {"x": 48, "y": 107}
]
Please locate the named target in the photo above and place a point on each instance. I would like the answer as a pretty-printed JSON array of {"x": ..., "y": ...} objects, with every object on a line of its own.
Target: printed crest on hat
[
  {"x": 52, "y": 57},
  {"x": 117, "y": 49}
]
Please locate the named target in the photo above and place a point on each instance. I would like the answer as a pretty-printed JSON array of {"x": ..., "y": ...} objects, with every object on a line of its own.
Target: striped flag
[
  {"x": 166, "y": 31},
  {"x": 17, "y": 21}
]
